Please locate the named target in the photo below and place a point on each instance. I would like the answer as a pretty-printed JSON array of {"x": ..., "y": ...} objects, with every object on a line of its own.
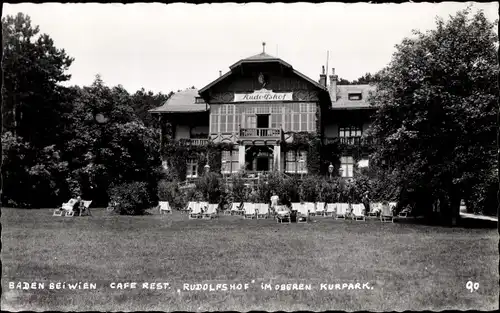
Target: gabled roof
[
  {"x": 343, "y": 101},
  {"x": 182, "y": 101},
  {"x": 261, "y": 58}
]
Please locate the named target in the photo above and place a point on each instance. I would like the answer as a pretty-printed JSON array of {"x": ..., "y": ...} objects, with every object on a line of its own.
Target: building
[{"x": 265, "y": 116}]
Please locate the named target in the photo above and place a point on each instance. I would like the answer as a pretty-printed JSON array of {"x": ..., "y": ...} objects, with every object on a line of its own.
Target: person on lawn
[
  {"x": 76, "y": 206},
  {"x": 274, "y": 202}
]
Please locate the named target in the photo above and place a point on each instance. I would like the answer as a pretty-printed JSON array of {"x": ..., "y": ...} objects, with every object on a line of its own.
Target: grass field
[{"x": 406, "y": 266}]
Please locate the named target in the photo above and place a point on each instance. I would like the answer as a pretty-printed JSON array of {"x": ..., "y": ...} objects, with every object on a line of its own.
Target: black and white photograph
[{"x": 250, "y": 157}]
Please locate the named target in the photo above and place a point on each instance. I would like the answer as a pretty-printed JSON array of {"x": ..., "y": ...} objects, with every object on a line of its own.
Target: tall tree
[
  {"x": 436, "y": 122},
  {"x": 33, "y": 67}
]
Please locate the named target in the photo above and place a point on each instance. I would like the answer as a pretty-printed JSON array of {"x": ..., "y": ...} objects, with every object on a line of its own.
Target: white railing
[{"x": 260, "y": 132}]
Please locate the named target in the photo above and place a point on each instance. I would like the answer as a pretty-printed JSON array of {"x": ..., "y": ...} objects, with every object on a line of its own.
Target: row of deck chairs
[
  {"x": 66, "y": 209},
  {"x": 249, "y": 210},
  {"x": 203, "y": 210}
]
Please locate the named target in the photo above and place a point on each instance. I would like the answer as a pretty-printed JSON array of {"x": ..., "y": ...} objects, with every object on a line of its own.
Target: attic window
[
  {"x": 199, "y": 100},
  {"x": 355, "y": 96}
]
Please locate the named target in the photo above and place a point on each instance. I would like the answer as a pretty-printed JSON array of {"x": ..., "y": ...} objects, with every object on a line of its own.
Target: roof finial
[{"x": 263, "y": 47}]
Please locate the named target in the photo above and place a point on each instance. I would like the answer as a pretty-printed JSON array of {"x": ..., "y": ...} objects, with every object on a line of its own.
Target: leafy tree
[
  {"x": 343, "y": 81},
  {"x": 33, "y": 100},
  {"x": 437, "y": 99},
  {"x": 143, "y": 101},
  {"x": 365, "y": 79}
]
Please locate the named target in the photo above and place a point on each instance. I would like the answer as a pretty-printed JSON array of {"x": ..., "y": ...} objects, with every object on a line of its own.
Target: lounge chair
[
  {"x": 331, "y": 209},
  {"x": 211, "y": 211},
  {"x": 249, "y": 210},
  {"x": 386, "y": 214},
  {"x": 302, "y": 212},
  {"x": 320, "y": 208},
  {"x": 311, "y": 208},
  {"x": 194, "y": 210},
  {"x": 164, "y": 206},
  {"x": 263, "y": 210},
  {"x": 65, "y": 207},
  {"x": 405, "y": 213},
  {"x": 342, "y": 211},
  {"x": 282, "y": 214},
  {"x": 358, "y": 211},
  {"x": 375, "y": 208},
  {"x": 84, "y": 207},
  {"x": 235, "y": 208}
]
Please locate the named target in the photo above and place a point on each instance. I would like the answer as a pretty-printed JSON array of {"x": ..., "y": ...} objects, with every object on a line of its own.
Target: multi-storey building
[{"x": 260, "y": 108}]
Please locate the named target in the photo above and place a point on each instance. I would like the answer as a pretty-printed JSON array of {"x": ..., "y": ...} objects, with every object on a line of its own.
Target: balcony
[
  {"x": 260, "y": 133},
  {"x": 193, "y": 141},
  {"x": 351, "y": 141}
]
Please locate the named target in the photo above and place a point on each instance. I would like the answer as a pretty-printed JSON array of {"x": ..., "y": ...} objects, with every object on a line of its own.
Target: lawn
[{"x": 406, "y": 266}]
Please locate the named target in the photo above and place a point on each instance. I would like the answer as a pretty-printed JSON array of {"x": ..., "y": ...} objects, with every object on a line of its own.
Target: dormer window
[
  {"x": 355, "y": 96},
  {"x": 199, "y": 100}
]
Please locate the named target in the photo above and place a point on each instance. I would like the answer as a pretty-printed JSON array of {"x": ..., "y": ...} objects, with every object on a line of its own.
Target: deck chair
[
  {"x": 235, "y": 208},
  {"x": 311, "y": 208},
  {"x": 331, "y": 209},
  {"x": 249, "y": 210},
  {"x": 164, "y": 206},
  {"x": 227, "y": 211},
  {"x": 405, "y": 213},
  {"x": 65, "y": 207},
  {"x": 375, "y": 208},
  {"x": 211, "y": 211},
  {"x": 358, "y": 212},
  {"x": 302, "y": 212},
  {"x": 282, "y": 214},
  {"x": 320, "y": 208},
  {"x": 386, "y": 214},
  {"x": 194, "y": 210},
  {"x": 342, "y": 211},
  {"x": 263, "y": 211},
  {"x": 84, "y": 207}
]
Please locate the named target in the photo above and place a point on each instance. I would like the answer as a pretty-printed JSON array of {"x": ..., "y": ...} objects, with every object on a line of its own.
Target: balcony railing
[
  {"x": 351, "y": 141},
  {"x": 193, "y": 141},
  {"x": 260, "y": 132}
]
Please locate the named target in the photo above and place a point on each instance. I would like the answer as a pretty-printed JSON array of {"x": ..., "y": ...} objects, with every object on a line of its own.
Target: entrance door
[
  {"x": 263, "y": 121},
  {"x": 263, "y": 164}
]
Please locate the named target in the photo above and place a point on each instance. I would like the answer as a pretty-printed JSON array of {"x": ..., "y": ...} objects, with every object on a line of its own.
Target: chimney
[
  {"x": 333, "y": 86},
  {"x": 322, "y": 77},
  {"x": 220, "y": 73}
]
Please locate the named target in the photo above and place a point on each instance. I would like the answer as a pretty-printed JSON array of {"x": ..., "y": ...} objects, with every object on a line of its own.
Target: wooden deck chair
[
  {"x": 227, "y": 211},
  {"x": 302, "y": 212},
  {"x": 263, "y": 211},
  {"x": 235, "y": 208},
  {"x": 164, "y": 206},
  {"x": 311, "y": 208},
  {"x": 386, "y": 214},
  {"x": 358, "y": 212},
  {"x": 194, "y": 210},
  {"x": 65, "y": 207},
  {"x": 375, "y": 208},
  {"x": 211, "y": 211},
  {"x": 249, "y": 210},
  {"x": 320, "y": 208},
  {"x": 282, "y": 214},
  {"x": 331, "y": 209},
  {"x": 84, "y": 207},
  {"x": 405, "y": 213},
  {"x": 342, "y": 211}
]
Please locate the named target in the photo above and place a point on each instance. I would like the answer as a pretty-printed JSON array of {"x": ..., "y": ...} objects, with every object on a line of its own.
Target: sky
[{"x": 169, "y": 47}]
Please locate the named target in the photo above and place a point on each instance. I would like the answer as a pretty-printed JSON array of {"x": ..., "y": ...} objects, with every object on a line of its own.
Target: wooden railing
[{"x": 260, "y": 132}]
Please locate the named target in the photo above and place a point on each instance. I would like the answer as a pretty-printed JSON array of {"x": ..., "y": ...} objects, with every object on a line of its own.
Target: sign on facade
[{"x": 263, "y": 95}]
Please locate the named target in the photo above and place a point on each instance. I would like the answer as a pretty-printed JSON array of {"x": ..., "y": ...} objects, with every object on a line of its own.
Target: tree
[
  {"x": 143, "y": 101},
  {"x": 33, "y": 102},
  {"x": 365, "y": 79},
  {"x": 435, "y": 126}
]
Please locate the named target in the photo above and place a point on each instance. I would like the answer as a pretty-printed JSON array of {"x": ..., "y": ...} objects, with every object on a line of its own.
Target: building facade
[{"x": 266, "y": 116}]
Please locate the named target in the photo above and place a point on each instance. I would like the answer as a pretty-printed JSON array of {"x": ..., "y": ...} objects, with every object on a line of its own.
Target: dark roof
[
  {"x": 182, "y": 101},
  {"x": 261, "y": 58},
  {"x": 343, "y": 101}
]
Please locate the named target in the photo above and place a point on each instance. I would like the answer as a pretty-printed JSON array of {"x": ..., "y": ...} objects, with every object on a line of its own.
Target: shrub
[
  {"x": 133, "y": 198},
  {"x": 329, "y": 191},
  {"x": 169, "y": 191},
  {"x": 238, "y": 189},
  {"x": 290, "y": 191},
  {"x": 210, "y": 186},
  {"x": 309, "y": 190}
]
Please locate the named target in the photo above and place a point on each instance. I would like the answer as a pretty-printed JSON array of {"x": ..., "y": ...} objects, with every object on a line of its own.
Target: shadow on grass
[{"x": 462, "y": 222}]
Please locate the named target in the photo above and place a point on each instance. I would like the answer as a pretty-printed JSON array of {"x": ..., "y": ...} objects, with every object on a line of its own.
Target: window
[
  {"x": 347, "y": 166},
  {"x": 192, "y": 168},
  {"x": 222, "y": 118},
  {"x": 300, "y": 117},
  {"x": 293, "y": 162},
  {"x": 230, "y": 162},
  {"x": 199, "y": 100},
  {"x": 350, "y": 134},
  {"x": 354, "y": 96}
]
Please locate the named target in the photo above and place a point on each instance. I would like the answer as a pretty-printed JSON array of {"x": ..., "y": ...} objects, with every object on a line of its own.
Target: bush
[
  {"x": 133, "y": 198},
  {"x": 238, "y": 189},
  {"x": 329, "y": 191},
  {"x": 169, "y": 191},
  {"x": 210, "y": 186}
]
